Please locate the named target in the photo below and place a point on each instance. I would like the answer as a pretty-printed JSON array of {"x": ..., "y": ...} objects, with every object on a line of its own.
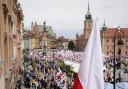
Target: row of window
[
  {"x": 113, "y": 53},
  {"x": 113, "y": 40},
  {"x": 113, "y": 47}
]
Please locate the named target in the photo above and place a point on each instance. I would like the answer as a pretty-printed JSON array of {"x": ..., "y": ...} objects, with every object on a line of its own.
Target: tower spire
[
  {"x": 88, "y": 15},
  {"x": 88, "y": 6},
  {"x": 104, "y": 27},
  {"x": 104, "y": 23}
]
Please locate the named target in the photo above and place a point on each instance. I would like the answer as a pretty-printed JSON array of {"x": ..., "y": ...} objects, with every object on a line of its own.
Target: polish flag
[{"x": 90, "y": 75}]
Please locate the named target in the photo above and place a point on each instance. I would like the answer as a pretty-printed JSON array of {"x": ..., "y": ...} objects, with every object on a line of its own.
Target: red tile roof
[{"x": 110, "y": 32}]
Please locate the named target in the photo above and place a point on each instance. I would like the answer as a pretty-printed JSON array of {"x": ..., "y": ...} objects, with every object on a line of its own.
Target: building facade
[
  {"x": 27, "y": 41},
  {"x": 11, "y": 18},
  {"x": 40, "y": 37},
  {"x": 107, "y": 38},
  {"x": 62, "y": 42},
  {"x": 43, "y": 36}
]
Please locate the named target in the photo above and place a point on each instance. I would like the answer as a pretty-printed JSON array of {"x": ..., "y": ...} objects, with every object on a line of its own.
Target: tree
[{"x": 71, "y": 45}]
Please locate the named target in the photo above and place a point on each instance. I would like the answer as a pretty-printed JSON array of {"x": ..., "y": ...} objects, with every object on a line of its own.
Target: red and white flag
[{"x": 90, "y": 75}]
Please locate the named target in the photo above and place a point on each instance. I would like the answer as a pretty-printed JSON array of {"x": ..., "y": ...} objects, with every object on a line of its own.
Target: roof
[
  {"x": 110, "y": 32},
  {"x": 61, "y": 38},
  {"x": 82, "y": 36},
  {"x": 38, "y": 32},
  {"x": 27, "y": 34},
  {"x": 41, "y": 28}
]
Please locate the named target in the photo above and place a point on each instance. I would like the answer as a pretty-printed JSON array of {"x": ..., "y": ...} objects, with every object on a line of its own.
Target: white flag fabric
[{"x": 90, "y": 75}]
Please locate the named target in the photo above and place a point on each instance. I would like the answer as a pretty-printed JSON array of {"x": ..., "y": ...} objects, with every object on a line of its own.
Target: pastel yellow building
[
  {"x": 42, "y": 36},
  {"x": 35, "y": 42}
]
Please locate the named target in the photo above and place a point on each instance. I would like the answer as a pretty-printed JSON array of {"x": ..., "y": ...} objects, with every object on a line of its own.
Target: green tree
[{"x": 71, "y": 45}]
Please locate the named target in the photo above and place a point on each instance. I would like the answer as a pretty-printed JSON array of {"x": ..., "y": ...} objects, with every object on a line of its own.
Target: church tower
[
  {"x": 104, "y": 27},
  {"x": 88, "y": 22},
  {"x": 81, "y": 40}
]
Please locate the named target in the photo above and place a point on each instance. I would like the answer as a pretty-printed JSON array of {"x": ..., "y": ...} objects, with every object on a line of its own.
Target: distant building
[
  {"x": 62, "y": 43},
  {"x": 107, "y": 40},
  {"x": 107, "y": 35},
  {"x": 81, "y": 40},
  {"x": 40, "y": 36},
  {"x": 27, "y": 40}
]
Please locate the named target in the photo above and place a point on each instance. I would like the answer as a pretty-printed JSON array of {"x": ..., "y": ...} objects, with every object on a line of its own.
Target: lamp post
[
  {"x": 44, "y": 38},
  {"x": 53, "y": 55},
  {"x": 117, "y": 38}
]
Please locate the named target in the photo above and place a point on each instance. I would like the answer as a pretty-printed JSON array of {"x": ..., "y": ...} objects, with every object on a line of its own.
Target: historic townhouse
[
  {"x": 11, "y": 25},
  {"x": 39, "y": 37}
]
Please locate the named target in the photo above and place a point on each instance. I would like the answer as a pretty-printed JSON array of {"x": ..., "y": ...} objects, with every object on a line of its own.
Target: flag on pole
[{"x": 90, "y": 75}]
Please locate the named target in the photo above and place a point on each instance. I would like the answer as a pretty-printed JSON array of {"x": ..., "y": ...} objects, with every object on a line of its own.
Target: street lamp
[
  {"x": 53, "y": 54},
  {"x": 117, "y": 38}
]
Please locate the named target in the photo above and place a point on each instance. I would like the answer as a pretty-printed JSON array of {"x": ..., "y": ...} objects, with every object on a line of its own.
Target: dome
[
  {"x": 104, "y": 27},
  {"x": 88, "y": 15}
]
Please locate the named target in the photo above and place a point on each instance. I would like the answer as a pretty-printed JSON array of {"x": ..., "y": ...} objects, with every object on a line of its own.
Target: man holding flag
[{"x": 90, "y": 74}]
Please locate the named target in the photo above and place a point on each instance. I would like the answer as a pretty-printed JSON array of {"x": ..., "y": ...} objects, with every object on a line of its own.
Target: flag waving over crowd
[{"x": 90, "y": 74}]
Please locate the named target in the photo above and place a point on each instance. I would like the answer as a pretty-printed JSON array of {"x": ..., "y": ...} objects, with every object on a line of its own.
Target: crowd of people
[
  {"x": 121, "y": 67},
  {"x": 41, "y": 70}
]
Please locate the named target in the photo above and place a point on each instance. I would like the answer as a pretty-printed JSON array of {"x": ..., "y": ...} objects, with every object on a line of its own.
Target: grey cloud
[{"x": 68, "y": 15}]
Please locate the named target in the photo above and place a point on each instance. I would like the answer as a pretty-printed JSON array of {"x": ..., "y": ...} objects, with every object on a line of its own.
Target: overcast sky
[{"x": 67, "y": 16}]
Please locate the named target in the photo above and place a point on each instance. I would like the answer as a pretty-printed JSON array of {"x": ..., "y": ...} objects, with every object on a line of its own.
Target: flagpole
[
  {"x": 117, "y": 36},
  {"x": 114, "y": 69}
]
